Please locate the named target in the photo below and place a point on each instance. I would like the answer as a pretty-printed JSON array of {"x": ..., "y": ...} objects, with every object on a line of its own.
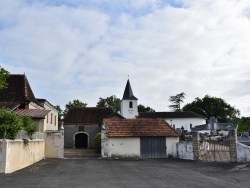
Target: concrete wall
[
  {"x": 185, "y": 150},
  {"x": 54, "y": 144},
  {"x": 121, "y": 147},
  {"x": 92, "y": 130},
  {"x": 185, "y": 122},
  {"x": 243, "y": 153},
  {"x": 15, "y": 155},
  {"x": 171, "y": 145}
]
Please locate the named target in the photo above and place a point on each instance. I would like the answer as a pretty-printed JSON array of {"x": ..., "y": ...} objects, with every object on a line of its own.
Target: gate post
[
  {"x": 196, "y": 145},
  {"x": 232, "y": 144}
]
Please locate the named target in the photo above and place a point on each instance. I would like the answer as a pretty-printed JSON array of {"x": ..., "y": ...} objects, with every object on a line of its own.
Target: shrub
[
  {"x": 28, "y": 125},
  {"x": 97, "y": 143},
  {"x": 10, "y": 123}
]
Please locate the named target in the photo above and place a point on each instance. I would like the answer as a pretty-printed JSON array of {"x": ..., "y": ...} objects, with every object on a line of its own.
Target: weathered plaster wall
[
  {"x": 92, "y": 130},
  {"x": 15, "y": 155},
  {"x": 122, "y": 147},
  {"x": 69, "y": 132},
  {"x": 171, "y": 144},
  {"x": 185, "y": 150},
  {"x": 54, "y": 144},
  {"x": 243, "y": 153}
]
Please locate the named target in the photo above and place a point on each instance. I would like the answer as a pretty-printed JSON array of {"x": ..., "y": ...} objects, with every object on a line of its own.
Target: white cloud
[{"x": 85, "y": 50}]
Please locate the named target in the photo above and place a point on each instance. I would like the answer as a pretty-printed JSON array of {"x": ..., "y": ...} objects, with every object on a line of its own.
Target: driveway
[{"x": 95, "y": 173}]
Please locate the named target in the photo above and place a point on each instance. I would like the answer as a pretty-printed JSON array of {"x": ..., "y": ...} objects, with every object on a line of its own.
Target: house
[
  {"x": 177, "y": 119},
  {"x": 81, "y": 124},
  {"x": 19, "y": 97},
  {"x": 138, "y": 138}
]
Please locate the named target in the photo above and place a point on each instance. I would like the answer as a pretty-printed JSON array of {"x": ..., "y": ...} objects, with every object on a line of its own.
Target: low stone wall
[
  {"x": 243, "y": 153},
  {"x": 185, "y": 150},
  {"x": 15, "y": 155}
]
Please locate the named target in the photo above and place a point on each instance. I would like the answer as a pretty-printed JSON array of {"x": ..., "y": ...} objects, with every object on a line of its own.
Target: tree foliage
[
  {"x": 28, "y": 125},
  {"x": 243, "y": 124},
  {"x": 97, "y": 143},
  {"x": 142, "y": 108},
  {"x": 75, "y": 103},
  {"x": 3, "y": 76},
  {"x": 111, "y": 101},
  {"x": 176, "y": 101},
  {"x": 213, "y": 107},
  {"x": 60, "y": 112},
  {"x": 10, "y": 123}
]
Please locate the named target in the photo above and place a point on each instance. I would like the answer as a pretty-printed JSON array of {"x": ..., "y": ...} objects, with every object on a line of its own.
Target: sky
[{"x": 80, "y": 49}]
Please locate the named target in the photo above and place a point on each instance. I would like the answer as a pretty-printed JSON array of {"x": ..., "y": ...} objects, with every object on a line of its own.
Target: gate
[
  {"x": 214, "y": 151},
  {"x": 153, "y": 147}
]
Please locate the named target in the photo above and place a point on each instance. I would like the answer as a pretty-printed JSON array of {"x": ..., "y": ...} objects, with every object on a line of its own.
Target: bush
[
  {"x": 97, "y": 143},
  {"x": 10, "y": 123},
  {"x": 28, "y": 125}
]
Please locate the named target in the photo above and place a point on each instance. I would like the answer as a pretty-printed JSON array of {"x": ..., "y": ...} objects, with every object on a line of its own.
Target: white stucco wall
[
  {"x": 54, "y": 144},
  {"x": 185, "y": 122},
  {"x": 121, "y": 147},
  {"x": 243, "y": 153},
  {"x": 171, "y": 145},
  {"x": 14, "y": 155},
  {"x": 129, "y": 113},
  {"x": 48, "y": 124}
]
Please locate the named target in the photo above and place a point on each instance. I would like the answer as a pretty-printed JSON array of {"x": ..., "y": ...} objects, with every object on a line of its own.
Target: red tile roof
[
  {"x": 88, "y": 115},
  {"x": 138, "y": 127},
  {"x": 169, "y": 115},
  {"x": 34, "y": 113}
]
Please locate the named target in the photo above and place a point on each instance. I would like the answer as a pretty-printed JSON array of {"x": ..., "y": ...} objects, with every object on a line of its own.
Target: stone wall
[
  {"x": 185, "y": 150},
  {"x": 54, "y": 144},
  {"x": 243, "y": 153}
]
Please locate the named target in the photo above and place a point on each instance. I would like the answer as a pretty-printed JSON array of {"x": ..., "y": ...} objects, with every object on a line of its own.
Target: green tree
[
  {"x": 176, "y": 101},
  {"x": 60, "y": 112},
  {"x": 213, "y": 107},
  {"x": 142, "y": 108},
  {"x": 243, "y": 124},
  {"x": 28, "y": 125},
  {"x": 10, "y": 124},
  {"x": 111, "y": 101},
  {"x": 75, "y": 103},
  {"x": 3, "y": 76}
]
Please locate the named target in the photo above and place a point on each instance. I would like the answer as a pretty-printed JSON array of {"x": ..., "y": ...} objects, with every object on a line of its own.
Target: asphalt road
[{"x": 95, "y": 173}]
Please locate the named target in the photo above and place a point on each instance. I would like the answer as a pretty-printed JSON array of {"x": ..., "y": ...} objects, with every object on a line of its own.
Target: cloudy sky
[{"x": 80, "y": 49}]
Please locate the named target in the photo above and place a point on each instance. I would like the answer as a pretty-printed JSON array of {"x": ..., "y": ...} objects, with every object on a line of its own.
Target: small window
[
  {"x": 51, "y": 121},
  {"x": 47, "y": 117},
  {"x": 130, "y": 104},
  {"x": 55, "y": 121}
]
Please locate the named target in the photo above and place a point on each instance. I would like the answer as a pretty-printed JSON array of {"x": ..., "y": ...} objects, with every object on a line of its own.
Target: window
[
  {"x": 51, "y": 121},
  {"x": 130, "y": 104},
  {"x": 55, "y": 121},
  {"x": 47, "y": 117}
]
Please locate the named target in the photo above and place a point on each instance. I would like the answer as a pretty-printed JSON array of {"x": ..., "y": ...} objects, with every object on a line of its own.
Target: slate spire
[{"x": 128, "y": 93}]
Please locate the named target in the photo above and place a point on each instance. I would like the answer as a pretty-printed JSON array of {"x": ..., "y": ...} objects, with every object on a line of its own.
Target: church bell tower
[{"x": 129, "y": 108}]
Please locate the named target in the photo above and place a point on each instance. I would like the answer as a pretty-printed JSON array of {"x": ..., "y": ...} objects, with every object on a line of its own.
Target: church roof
[
  {"x": 128, "y": 93},
  {"x": 169, "y": 115},
  {"x": 138, "y": 127},
  {"x": 89, "y": 115},
  {"x": 18, "y": 90}
]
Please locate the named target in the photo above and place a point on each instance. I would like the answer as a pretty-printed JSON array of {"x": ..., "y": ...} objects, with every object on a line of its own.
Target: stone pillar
[
  {"x": 196, "y": 145},
  {"x": 233, "y": 141}
]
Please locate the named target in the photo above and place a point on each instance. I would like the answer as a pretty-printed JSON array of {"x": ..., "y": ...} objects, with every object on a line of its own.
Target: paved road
[{"x": 95, "y": 173}]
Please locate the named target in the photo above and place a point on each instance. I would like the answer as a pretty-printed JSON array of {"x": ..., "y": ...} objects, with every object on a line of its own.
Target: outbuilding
[{"x": 138, "y": 138}]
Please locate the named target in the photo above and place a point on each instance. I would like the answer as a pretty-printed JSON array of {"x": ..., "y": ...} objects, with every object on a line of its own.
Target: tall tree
[
  {"x": 3, "y": 76},
  {"x": 142, "y": 108},
  {"x": 213, "y": 107},
  {"x": 75, "y": 103},
  {"x": 176, "y": 101},
  {"x": 111, "y": 101},
  {"x": 60, "y": 112}
]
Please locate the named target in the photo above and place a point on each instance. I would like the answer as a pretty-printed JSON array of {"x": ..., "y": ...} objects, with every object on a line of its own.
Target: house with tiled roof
[
  {"x": 138, "y": 138},
  {"x": 81, "y": 124},
  {"x": 177, "y": 120},
  {"x": 19, "y": 97}
]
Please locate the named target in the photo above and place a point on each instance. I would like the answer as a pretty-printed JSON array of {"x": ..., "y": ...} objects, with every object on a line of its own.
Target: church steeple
[
  {"x": 129, "y": 108},
  {"x": 128, "y": 93}
]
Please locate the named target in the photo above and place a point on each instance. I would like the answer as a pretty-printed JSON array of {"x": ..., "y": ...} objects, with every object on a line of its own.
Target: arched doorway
[{"x": 81, "y": 140}]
